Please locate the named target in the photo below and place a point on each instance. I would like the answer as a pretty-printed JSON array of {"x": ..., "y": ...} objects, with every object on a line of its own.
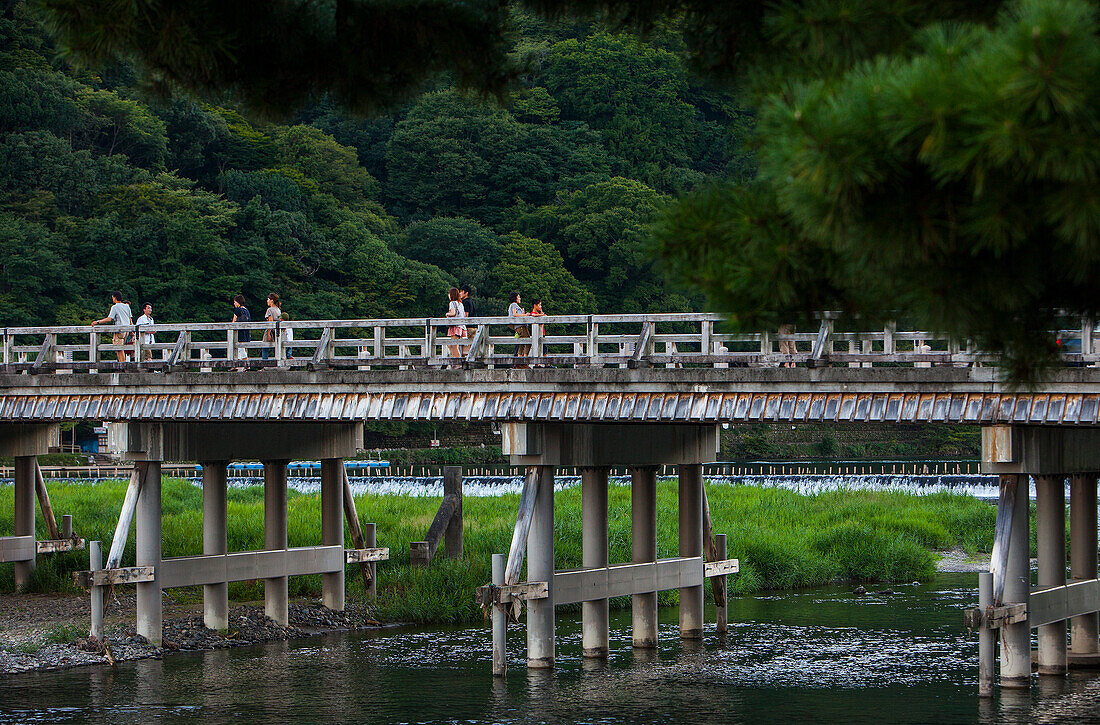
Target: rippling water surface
[{"x": 815, "y": 656}]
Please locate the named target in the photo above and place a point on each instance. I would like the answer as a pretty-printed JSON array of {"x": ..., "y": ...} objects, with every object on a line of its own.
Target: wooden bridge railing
[{"x": 671, "y": 340}]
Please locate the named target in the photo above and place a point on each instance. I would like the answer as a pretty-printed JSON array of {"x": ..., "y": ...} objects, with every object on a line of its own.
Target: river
[{"x": 820, "y": 655}]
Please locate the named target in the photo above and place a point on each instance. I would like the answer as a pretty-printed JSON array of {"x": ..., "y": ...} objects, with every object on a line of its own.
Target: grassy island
[{"x": 784, "y": 539}]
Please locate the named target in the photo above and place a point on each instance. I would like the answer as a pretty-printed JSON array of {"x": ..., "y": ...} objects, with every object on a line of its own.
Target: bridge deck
[{"x": 946, "y": 395}]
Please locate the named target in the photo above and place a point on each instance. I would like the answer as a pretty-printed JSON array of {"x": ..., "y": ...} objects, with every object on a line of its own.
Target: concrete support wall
[
  {"x": 1051, "y": 539},
  {"x": 148, "y": 515},
  {"x": 1082, "y": 557},
  {"x": 643, "y": 547},
  {"x": 332, "y": 528},
  {"x": 215, "y": 534},
  {"x": 24, "y": 514},
  {"x": 691, "y": 544},
  {"x": 540, "y": 567},
  {"x": 1016, "y": 638},
  {"x": 276, "y": 604},
  {"x": 594, "y": 617}
]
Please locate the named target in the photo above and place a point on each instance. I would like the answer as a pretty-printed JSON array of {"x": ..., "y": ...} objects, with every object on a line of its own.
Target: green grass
[{"x": 783, "y": 539}]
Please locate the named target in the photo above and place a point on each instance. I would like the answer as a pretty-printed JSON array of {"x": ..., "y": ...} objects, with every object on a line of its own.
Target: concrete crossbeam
[
  {"x": 16, "y": 548},
  {"x": 1040, "y": 451},
  {"x": 1058, "y": 603},
  {"x": 28, "y": 439},
  {"x": 218, "y": 441},
  {"x": 597, "y": 445}
]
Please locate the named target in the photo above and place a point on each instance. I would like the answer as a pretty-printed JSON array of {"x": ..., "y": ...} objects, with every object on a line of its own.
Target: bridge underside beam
[
  {"x": 596, "y": 444},
  {"x": 207, "y": 441},
  {"x": 1040, "y": 451}
]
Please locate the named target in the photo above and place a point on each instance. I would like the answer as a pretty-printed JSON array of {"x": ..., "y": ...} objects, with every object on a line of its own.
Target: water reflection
[{"x": 816, "y": 655}]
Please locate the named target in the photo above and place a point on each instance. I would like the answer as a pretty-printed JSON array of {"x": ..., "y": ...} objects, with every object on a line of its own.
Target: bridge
[{"x": 589, "y": 391}]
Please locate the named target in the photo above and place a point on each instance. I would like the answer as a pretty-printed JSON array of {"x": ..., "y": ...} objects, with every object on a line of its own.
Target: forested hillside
[{"x": 186, "y": 203}]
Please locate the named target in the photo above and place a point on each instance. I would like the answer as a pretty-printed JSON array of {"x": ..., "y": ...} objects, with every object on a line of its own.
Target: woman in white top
[{"x": 455, "y": 332}]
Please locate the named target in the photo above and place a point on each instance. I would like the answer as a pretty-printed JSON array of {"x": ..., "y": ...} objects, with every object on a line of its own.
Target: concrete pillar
[
  {"x": 1016, "y": 638},
  {"x": 276, "y": 598},
  {"x": 24, "y": 514},
  {"x": 643, "y": 547},
  {"x": 1082, "y": 557},
  {"x": 332, "y": 528},
  {"x": 148, "y": 516},
  {"x": 540, "y": 567},
  {"x": 1050, "y": 505},
  {"x": 215, "y": 525},
  {"x": 594, "y": 619},
  {"x": 691, "y": 544}
]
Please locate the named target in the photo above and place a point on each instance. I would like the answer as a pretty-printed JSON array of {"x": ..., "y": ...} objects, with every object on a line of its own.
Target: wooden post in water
[
  {"x": 987, "y": 644},
  {"x": 500, "y": 622},
  {"x": 721, "y": 604}
]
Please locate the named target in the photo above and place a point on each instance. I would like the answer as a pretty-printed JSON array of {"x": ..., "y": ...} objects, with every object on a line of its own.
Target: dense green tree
[
  {"x": 465, "y": 247},
  {"x": 602, "y": 231},
  {"x": 536, "y": 270},
  {"x": 632, "y": 93},
  {"x": 453, "y": 156},
  {"x": 33, "y": 276}
]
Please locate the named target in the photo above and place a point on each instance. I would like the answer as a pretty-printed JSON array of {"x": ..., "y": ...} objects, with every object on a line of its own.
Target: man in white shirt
[
  {"x": 119, "y": 315},
  {"x": 147, "y": 338}
]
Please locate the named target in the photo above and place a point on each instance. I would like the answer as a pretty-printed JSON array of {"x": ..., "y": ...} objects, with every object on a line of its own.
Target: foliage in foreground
[{"x": 783, "y": 539}]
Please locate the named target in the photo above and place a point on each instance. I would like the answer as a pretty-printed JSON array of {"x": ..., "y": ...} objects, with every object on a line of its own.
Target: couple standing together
[{"x": 460, "y": 306}]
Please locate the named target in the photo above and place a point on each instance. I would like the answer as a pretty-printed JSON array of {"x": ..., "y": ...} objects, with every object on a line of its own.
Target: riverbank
[
  {"x": 783, "y": 539},
  {"x": 49, "y": 631}
]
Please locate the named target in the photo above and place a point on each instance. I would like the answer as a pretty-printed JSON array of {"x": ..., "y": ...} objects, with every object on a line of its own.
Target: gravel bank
[{"x": 42, "y": 632}]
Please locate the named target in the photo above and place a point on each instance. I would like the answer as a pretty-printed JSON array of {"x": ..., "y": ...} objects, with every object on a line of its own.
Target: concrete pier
[
  {"x": 148, "y": 519},
  {"x": 332, "y": 528},
  {"x": 215, "y": 597},
  {"x": 594, "y": 616},
  {"x": 1051, "y": 543},
  {"x": 1016, "y": 638},
  {"x": 691, "y": 544},
  {"x": 540, "y": 567},
  {"x": 24, "y": 514},
  {"x": 643, "y": 547},
  {"x": 276, "y": 598},
  {"x": 1082, "y": 558},
  {"x": 500, "y": 622}
]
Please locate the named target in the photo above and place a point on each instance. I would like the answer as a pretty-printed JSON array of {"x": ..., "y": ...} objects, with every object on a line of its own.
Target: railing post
[
  {"x": 888, "y": 346},
  {"x": 231, "y": 345},
  {"x": 765, "y": 343},
  {"x": 429, "y": 342},
  {"x": 280, "y": 351},
  {"x": 137, "y": 345},
  {"x": 593, "y": 337},
  {"x": 379, "y": 344},
  {"x": 1086, "y": 336},
  {"x": 536, "y": 340},
  {"x": 705, "y": 332}
]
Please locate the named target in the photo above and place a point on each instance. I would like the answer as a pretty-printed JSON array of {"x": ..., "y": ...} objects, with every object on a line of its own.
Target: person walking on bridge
[
  {"x": 147, "y": 338},
  {"x": 455, "y": 332},
  {"x": 521, "y": 330},
  {"x": 241, "y": 314},
  {"x": 121, "y": 316},
  {"x": 273, "y": 315}
]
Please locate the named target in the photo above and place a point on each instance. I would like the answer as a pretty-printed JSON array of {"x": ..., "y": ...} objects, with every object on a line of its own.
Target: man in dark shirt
[
  {"x": 241, "y": 314},
  {"x": 467, "y": 303}
]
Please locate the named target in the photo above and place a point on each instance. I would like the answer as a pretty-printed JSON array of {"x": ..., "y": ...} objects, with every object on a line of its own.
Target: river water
[{"x": 818, "y": 655}]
